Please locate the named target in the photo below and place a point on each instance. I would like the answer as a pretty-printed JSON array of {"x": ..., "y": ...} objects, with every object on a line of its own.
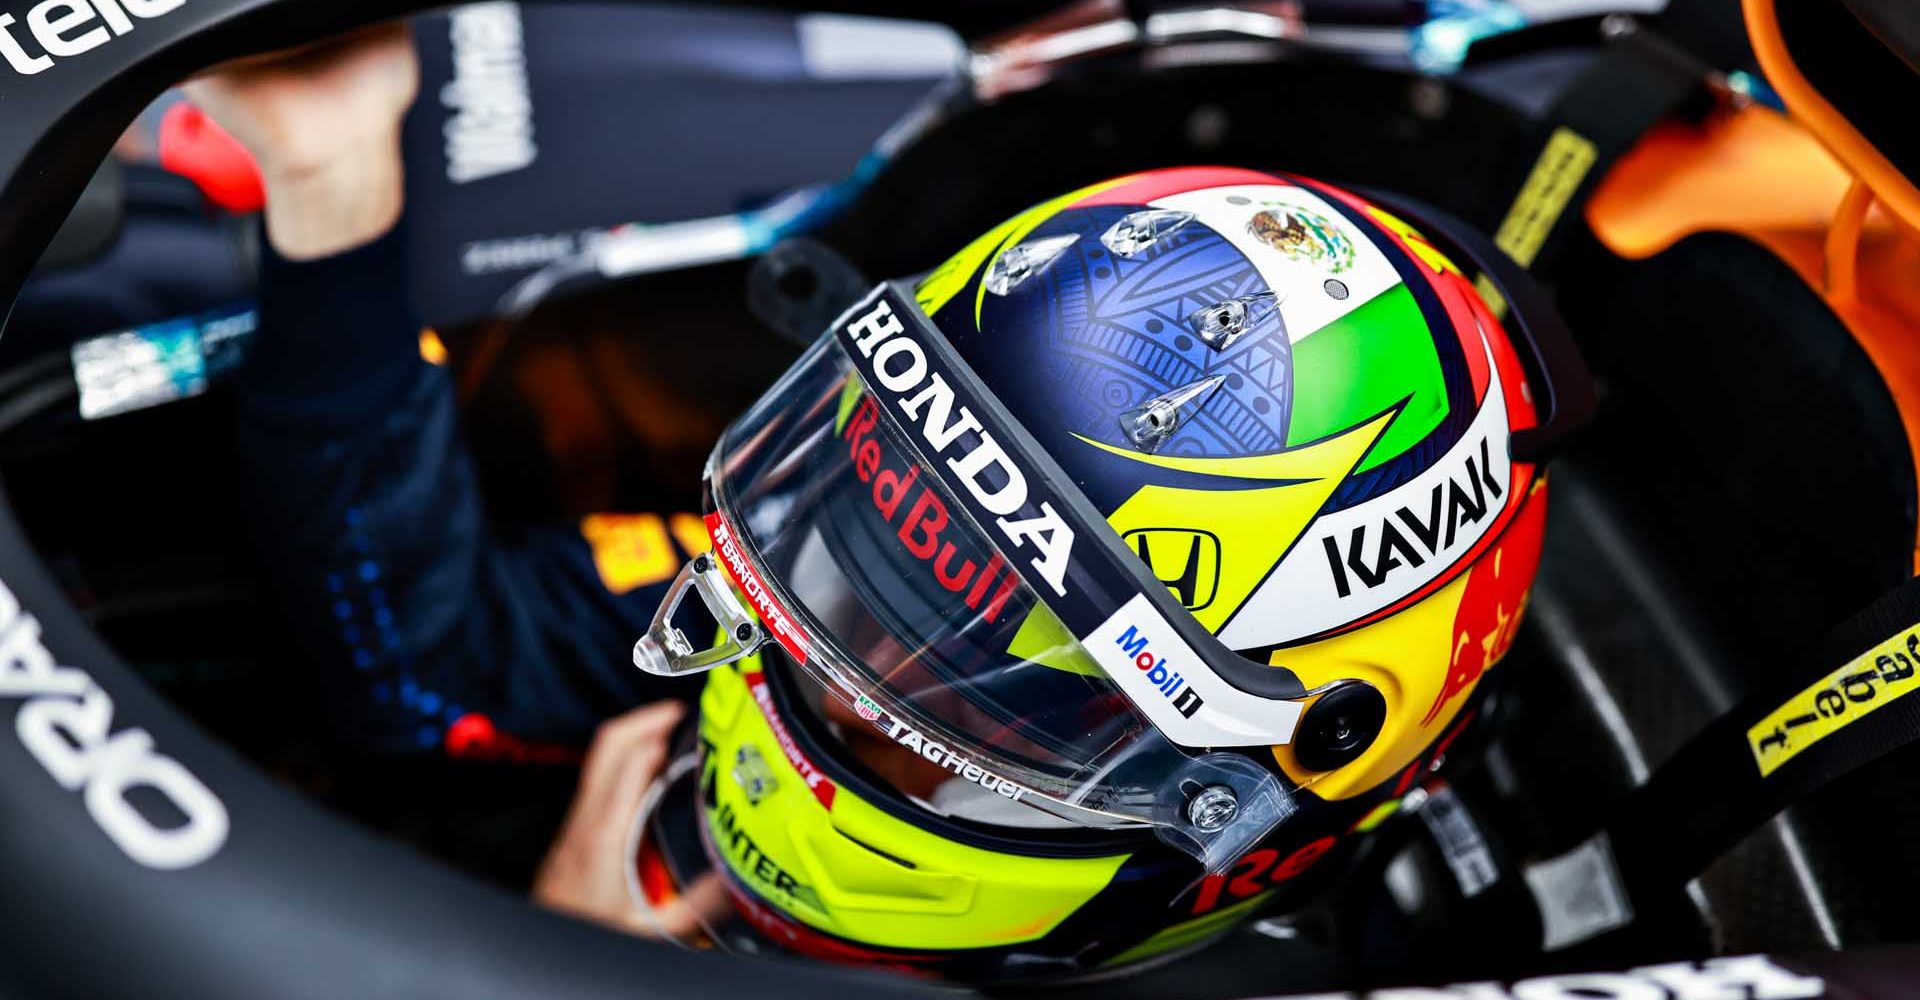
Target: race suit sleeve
[{"x": 430, "y": 625}]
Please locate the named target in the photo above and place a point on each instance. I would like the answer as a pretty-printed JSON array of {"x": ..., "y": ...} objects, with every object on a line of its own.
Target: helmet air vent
[
  {"x": 1021, "y": 261},
  {"x": 1136, "y": 231},
  {"x": 1149, "y": 426},
  {"x": 1220, "y": 324}
]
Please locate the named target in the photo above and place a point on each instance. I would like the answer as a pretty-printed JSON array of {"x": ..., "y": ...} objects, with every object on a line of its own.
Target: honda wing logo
[{"x": 1186, "y": 560}]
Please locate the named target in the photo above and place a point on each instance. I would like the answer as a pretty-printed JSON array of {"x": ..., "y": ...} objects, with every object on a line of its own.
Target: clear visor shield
[{"x": 888, "y": 528}]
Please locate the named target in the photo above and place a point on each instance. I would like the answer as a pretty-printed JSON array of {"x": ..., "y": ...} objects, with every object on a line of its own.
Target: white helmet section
[
  {"x": 1404, "y": 539},
  {"x": 1160, "y": 673},
  {"x": 1344, "y": 566},
  {"x": 1296, "y": 259}
]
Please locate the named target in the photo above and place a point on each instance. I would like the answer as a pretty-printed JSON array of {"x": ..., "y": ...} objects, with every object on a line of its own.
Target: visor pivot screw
[
  {"x": 700, "y": 563},
  {"x": 1212, "y": 809},
  {"x": 744, "y": 632},
  {"x": 1339, "y": 726}
]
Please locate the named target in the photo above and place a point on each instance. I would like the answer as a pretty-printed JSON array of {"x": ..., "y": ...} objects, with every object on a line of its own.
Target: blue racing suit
[{"x": 431, "y": 625}]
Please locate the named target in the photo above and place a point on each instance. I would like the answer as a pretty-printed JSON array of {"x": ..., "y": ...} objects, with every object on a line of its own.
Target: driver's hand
[
  {"x": 586, "y": 869},
  {"x": 323, "y": 122}
]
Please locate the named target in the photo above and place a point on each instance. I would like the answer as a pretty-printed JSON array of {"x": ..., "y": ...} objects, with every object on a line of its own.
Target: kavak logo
[
  {"x": 1186, "y": 560},
  {"x": 1381, "y": 554},
  {"x": 1408, "y": 536},
  {"x": 61, "y": 29}
]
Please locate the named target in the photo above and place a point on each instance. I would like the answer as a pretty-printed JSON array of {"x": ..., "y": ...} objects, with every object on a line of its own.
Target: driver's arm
[{"x": 366, "y": 504}]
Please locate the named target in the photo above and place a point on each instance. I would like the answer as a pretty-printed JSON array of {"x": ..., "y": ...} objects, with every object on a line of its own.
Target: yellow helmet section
[
  {"x": 842, "y": 865},
  {"x": 1425, "y": 659},
  {"x": 1404, "y": 657},
  {"x": 1228, "y": 540}
]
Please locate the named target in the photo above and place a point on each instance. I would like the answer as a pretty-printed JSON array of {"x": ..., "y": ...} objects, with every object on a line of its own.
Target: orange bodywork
[
  {"x": 1769, "y": 178},
  {"x": 1822, "y": 120}
]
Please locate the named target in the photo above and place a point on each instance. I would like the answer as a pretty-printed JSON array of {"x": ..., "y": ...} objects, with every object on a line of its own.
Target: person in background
[{"x": 434, "y": 628}]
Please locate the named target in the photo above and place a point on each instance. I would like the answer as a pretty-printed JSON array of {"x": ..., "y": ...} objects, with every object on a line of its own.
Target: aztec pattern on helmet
[{"x": 1340, "y": 447}]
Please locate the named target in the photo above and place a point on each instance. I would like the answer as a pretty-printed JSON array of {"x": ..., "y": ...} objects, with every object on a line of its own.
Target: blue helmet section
[{"x": 1096, "y": 334}]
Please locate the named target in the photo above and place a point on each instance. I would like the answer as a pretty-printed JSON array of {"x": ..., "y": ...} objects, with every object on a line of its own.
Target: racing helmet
[{"x": 1108, "y": 583}]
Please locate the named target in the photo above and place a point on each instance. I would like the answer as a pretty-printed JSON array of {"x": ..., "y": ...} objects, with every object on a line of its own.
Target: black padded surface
[
  {"x": 1895, "y": 22},
  {"x": 1751, "y": 437},
  {"x": 1757, "y": 464}
]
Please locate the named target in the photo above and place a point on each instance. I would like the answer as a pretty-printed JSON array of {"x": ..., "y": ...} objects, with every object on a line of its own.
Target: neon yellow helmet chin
[{"x": 1110, "y": 582}]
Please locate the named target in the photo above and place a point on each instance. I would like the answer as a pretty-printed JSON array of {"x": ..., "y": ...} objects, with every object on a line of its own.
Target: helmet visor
[{"x": 844, "y": 526}]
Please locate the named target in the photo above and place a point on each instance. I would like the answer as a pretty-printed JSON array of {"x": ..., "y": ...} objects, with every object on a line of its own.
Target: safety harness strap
[
  {"x": 1843, "y": 705},
  {"x": 1638, "y": 80}
]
